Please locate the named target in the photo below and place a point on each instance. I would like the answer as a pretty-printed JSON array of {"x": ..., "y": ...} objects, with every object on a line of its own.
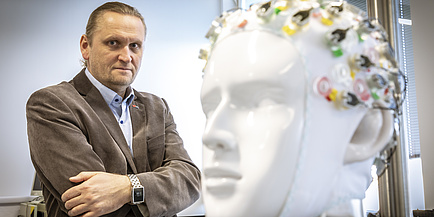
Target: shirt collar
[{"x": 108, "y": 94}]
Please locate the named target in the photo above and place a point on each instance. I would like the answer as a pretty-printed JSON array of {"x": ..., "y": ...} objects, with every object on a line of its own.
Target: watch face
[{"x": 138, "y": 195}]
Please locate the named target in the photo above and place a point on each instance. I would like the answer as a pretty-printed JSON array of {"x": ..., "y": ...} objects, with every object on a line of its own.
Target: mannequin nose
[
  {"x": 219, "y": 140},
  {"x": 217, "y": 135}
]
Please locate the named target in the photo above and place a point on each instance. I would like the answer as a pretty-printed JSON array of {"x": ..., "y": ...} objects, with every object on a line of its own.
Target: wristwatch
[{"x": 138, "y": 192}]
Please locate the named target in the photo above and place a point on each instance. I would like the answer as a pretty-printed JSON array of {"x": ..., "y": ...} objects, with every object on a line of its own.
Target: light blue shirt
[{"x": 119, "y": 107}]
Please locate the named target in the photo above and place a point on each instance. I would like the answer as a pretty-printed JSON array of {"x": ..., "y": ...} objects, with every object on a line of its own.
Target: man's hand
[{"x": 98, "y": 194}]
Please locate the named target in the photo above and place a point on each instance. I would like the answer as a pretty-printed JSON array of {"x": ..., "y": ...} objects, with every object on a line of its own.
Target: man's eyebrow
[
  {"x": 112, "y": 37},
  {"x": 123, "y": 38},
  {"x": 137, "y": 41}
]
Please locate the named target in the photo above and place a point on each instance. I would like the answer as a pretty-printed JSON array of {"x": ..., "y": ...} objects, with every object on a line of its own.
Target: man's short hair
[{"x": 117, "y": 7}]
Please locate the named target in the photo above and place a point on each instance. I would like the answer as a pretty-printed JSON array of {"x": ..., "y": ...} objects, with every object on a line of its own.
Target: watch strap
[
  {"x": 136, "y": 186},
  {"x": 135, "y": 182}
]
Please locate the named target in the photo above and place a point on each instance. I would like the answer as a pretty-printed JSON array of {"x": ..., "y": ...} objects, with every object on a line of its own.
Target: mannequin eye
[
  {"x": 209, "y": 113},
  {"x": 209, "y": 105},
  {"x": 266, "y": 102},
  {"x": 207, "y": 108},
  {"x": 268, "y": 98},
  {"x": 210, "y": 100}
]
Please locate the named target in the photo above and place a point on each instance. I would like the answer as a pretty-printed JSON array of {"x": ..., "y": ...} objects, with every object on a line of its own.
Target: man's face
[
  {"x": 115, "y": 52},
  {"x": 253, "y": 96}
]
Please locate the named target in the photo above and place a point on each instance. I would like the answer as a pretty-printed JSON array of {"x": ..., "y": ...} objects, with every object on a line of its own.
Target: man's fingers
[
  {"x": 74, "y": 191},
  {"x": 70, "y": 193},
  {"x": 90, "y": 214},
  {"x": 83, "y": 176},
  {"x": 73, "y": 202},
  {"x": 77, "y": 210},
  {"x": 98, "y": 194}
]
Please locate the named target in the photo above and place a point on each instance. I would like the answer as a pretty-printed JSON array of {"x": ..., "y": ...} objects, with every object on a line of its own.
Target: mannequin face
[
  {"x": 278, "y": 140},
  {"x": 253, "y": 97},
  {"x": 256, "y": 136}
]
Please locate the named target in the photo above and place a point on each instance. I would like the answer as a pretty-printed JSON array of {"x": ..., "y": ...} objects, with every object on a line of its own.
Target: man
[
  {"x": 291, "y": 130},
  {"x": 87, "y": 134}
]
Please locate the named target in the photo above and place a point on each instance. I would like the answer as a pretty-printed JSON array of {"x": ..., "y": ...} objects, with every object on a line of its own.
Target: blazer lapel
[
  {"x": 98, "y": 104},
  {"x": 140, "y": 147}
]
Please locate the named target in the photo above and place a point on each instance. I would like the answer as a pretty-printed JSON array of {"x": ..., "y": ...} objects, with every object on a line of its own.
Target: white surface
[
  {"x": 10, "y": 210},
  {"x": 10, "y": 206}
]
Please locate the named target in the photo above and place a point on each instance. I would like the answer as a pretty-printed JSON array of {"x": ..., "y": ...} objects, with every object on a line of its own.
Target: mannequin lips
[
  {"x": 220, "y": 172},
  {"x": 221, "y": 180}
]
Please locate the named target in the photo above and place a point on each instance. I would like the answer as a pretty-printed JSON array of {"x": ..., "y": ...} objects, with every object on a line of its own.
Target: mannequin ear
[{"x": 371, "y": 136}]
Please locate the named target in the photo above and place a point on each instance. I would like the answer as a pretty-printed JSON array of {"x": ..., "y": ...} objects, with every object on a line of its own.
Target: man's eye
[
  {"x": 135, "y": 45},
  {"x": 112, "y": 43}
]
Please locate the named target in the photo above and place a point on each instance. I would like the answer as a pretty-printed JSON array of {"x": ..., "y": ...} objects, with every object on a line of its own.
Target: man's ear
[
  {"x": 84, "y": 47},
  {"x": 371, "y": 136}
]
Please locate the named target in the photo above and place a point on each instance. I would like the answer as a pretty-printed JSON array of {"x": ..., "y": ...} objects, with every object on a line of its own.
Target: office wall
[
  {"x": 39, "y": 46},
  {"x": 423, "y": 35}
]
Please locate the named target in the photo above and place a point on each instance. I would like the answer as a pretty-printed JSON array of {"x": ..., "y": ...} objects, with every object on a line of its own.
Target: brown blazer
[{"x": 72, "y": 129}]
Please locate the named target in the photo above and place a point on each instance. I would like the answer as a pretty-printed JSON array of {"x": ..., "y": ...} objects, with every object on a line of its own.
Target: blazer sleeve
[
  {"x": 175, "y": 184},
  {"x": 58, "y": 146}
]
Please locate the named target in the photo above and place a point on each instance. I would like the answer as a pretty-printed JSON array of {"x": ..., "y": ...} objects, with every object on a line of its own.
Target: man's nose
[
  {"x": 217, "y": 135},
  {"x": 125, "y": 54}
]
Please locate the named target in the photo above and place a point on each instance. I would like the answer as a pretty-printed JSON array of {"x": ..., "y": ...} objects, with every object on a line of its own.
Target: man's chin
[
  {"x": 123, "y": 79},
  {"x": 122, "y": 72},
  {"x": 124, "y": 82}
]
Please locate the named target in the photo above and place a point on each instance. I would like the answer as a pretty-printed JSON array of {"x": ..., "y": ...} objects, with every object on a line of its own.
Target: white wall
[
  {"x": 39, "y": 46},
  {"x": 423, "y": 35}
]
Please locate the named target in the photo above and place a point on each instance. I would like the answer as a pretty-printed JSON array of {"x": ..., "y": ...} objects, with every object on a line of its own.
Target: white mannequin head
[{"x": 273, "y": 144}]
